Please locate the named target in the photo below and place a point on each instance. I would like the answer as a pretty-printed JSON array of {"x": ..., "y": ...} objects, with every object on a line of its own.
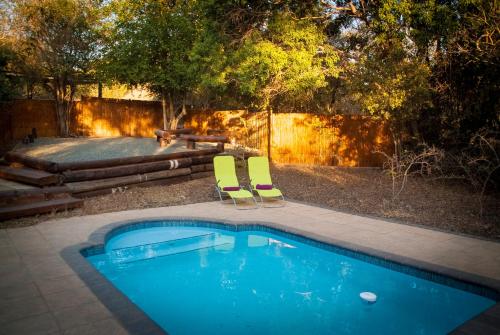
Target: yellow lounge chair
[
  {"x": 227, "y": 181},
  {"x": 260, "y": 179}
]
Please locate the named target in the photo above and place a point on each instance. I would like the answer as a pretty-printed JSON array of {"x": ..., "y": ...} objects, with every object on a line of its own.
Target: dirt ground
[{"x": 442, "y": 204}]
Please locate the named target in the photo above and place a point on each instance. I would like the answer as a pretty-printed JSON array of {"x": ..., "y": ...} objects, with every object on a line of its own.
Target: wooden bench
[
  {"x": 192, "y": 139},
  {"x": 166, "y": 136}
]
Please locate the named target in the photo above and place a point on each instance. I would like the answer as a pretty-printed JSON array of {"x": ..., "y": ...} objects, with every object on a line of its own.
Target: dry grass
[{"x": 435, "y": 203}]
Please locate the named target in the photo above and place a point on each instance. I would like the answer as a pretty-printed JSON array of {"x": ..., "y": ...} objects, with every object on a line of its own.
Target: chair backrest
[
  {"x": 225, "y": 171},
  {"x": 258, "y": 171}
]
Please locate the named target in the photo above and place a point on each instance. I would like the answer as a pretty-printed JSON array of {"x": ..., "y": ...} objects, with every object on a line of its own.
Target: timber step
[
  {"x": 39, "y": 207},
  {"x": 21, "y": 196},
  {"x": 29, "y": 176}
]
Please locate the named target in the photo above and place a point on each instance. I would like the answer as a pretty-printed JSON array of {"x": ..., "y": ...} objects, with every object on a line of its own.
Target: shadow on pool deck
[{"x": 85, "y": 149}]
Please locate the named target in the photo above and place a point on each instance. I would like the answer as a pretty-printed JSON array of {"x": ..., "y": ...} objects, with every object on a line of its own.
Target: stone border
[
  {"x": 137, "y": 322},
  {"x": 395, "y": 220}
]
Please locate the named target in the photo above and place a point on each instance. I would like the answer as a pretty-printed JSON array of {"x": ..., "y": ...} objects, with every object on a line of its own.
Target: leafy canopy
[{"x": 150, "y": 42}]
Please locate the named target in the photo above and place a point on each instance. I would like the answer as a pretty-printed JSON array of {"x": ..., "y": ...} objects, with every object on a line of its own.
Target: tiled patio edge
[
  {"x": 393, "y": 220},
  {"x": 136, "y": 322}
]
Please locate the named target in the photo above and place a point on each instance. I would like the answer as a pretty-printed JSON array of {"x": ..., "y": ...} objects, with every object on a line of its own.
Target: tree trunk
[
  {"x": 171, "y": 111},
  {"x": 61, "y": 118},
  {"x": 64, "y": 102},
  {"x": 179, "y": 117},
  {"x": 164, "y": 108}
]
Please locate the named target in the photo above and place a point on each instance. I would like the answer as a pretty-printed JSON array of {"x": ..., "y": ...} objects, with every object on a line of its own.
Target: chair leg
[{"x": 218, "y": 191}]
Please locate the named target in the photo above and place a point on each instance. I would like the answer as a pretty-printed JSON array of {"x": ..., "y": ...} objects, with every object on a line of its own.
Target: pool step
[{"x": 170, "y": 247}]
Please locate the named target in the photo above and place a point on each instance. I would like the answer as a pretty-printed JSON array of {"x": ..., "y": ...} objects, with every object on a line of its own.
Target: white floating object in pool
[{"x": 369, "y": 297}]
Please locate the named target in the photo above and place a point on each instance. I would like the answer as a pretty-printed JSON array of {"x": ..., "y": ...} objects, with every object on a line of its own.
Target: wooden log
[
  {"x": 160, "y": 133},
  {"x": 199, "y": 138},
  {"x": 202, "y": 168},
  {"x": 30, "y": 198},
  {"x": 202, "y": 159},
  {"x": 163, "y": 135},
  {"x": 132, "y": 160},
  {"x": 180, "y": 131},
  {"x": 32, "y": 162},
  {"x": 169, "y": 134},
  {"x": 40, "y": 207},
  {"x": 158, "y": 182},
  {"x": 29, "y": 176},
  {"x": 33, "y": 191},
  {"x": 124, "y": 170},
  {"x": 218, "y": 132},
  {"x": 92, "y": 185}
]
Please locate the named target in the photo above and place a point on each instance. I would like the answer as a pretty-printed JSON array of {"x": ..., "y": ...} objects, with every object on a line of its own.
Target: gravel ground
[
  {"x": 444, "y": 205},
  {"x": 95, "y": 148}
]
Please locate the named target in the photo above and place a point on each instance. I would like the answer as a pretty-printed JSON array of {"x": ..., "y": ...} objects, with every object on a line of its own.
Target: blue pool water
[{"x": 193, "y": 280}]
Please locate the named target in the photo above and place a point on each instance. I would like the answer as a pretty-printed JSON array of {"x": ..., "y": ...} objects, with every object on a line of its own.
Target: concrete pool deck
[{"x": 47, "y": 287}]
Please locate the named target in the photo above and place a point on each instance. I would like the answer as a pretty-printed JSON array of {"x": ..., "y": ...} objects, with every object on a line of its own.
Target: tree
[
  {"x": 278, "y": 60},
  {"x": 149, "y": 44},
  {"x": 431, "y": 67},
  {"x": 7, "y": 83},
  {"x": 263, "y": 53},
  {"x": 57, "y": 39},
  {"x": 286, "y": 63}
]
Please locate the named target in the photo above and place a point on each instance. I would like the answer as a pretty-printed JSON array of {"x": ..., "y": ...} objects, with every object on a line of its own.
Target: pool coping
[
  {"x": 398, "y": 221},
  {"x": 137, "y": 322}
]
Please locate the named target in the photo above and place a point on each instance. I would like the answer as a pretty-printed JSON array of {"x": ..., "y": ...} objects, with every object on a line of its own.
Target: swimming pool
[{"x": 198, "y": 278}]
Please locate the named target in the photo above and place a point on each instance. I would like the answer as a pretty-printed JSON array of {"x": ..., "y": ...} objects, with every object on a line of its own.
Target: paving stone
[
  {"x": 39, "y": 324},
  {"x": 87, "y": 329},
  {"x": 13, "y": 273},
  {"x": 71, "y": 317},
  {"x": 15, "y": 309},
  {"x": 69, "y": 298},
  {"x": 18, "y": 291},
  {"x": 8, "y": 251},
  {"x": 63, "y": 283},
  {"x": 47, "y": 267},
  {"x": 109, "y": 327}
]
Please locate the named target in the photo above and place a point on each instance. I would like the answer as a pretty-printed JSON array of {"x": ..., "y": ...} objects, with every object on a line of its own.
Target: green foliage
[
  {"x": 430, "y": 67},
  {"x": 389, "y": 83},
  {"x": 57, "y": 36},
  {"x": 288, "y": 61},
  {"x": 150, "y": 43},
  {"x": 8, "y": 84}
]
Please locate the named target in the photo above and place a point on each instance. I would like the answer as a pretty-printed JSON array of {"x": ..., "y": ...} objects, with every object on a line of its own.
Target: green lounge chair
[
  {"x": 227, "y": 182},
  {"x": 260, "y": 179}
]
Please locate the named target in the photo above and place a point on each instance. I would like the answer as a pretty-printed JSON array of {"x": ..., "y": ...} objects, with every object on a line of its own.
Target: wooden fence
[
  {"x": 295, "y": 137},
  {"x": 114, "y": 117},
  {"x": 302, "y": 138},
  {"x": 18, "y": 117}
]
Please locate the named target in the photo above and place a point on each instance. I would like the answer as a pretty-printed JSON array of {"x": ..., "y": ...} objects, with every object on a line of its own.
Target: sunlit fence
[
  {"x": 295, "y": 137},
  {"x": 301, "y": 137}
]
